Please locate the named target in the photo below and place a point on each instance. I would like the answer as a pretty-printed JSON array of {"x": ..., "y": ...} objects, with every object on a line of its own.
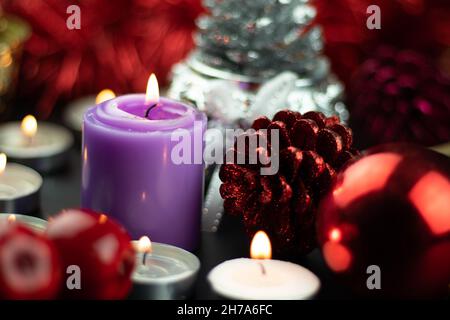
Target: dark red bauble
[
  {"x": 100, "y": 247},
  {"x": 400, "y": 96},
  {"x": 29, "y": 264},
  {"x": 390, "y": 209},
  {"x": 409, "y": 24}
]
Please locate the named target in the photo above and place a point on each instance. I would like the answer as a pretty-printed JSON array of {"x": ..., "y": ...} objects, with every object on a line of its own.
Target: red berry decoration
[
  {"x": 99, "y": 247},
  {"x": 312, "y": 148},
  {"x": 29, "y": 264},
  {"x": 390, "y": 209}
]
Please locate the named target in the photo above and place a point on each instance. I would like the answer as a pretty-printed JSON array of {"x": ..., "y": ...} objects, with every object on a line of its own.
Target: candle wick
[
  {"x": 147, "y": 113},
  {"x": 28, "y": 142},
  {"x": 263, "y": 269},
  {"x": 144, "y": 257}
]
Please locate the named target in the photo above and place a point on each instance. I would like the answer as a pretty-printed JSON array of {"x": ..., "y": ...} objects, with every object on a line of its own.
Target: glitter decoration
[{"x": 313, "y": 148}]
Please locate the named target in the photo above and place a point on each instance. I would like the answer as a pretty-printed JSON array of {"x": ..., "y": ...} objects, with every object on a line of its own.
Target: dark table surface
[{"x": 62, "y": 190}]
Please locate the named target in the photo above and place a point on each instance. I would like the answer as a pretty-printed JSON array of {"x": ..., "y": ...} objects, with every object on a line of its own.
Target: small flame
[
  {"x": 104, "y": 95},
  {"x": 144, "y": 245},
  {"x": 335, "y": 235},
  {"x": 85, "y": 154},
  {"x": 29, "y": 126},
  {"x": 102, "y": 219},
  {"x": 261, "y": 247},
  {"x": 152, "y": 94},
  {"x": 3, "y": 161},
  {"x": 12, "y": 218}
]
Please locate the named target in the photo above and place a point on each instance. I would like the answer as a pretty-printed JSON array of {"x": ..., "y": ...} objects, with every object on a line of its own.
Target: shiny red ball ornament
[
  {"x": 29, "y": 264},
  {"x": 390, "y": 209},
  {"x": 100, "y": 247}
]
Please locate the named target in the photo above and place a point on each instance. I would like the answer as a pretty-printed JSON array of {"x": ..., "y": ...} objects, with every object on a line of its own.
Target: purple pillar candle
[{"x": 128, "y": 172}]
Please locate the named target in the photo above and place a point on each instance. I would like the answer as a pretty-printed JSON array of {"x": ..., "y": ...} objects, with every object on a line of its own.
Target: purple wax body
[{"x": 128, "y": 172}]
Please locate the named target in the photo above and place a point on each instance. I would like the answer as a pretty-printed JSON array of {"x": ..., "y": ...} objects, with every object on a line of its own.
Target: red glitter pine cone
[{"x": 312, "y": 149}]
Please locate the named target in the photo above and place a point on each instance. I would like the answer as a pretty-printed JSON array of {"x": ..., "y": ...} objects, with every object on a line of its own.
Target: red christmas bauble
[
  {"x": 99, "y": 247},
  {"x": 29, "y": 264},
  {"x": 400, "y": 96},
  {"x": 390, "y": 209}
]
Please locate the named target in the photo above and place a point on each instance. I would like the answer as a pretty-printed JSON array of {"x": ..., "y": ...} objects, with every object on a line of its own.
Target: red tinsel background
[{"x": 119, "y": 44}]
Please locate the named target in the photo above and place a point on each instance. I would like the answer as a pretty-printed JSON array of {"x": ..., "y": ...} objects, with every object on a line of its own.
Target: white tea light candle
[
  {"x": 19, "y": 187},
  {"x": 42, "y": 146},
  {"x": 163, "y": 271},
  {"x": 260, "y": 278},
  {"x": 73, "y": 115}
]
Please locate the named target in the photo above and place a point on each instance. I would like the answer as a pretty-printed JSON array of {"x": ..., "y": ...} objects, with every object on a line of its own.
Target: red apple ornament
[
  {"x": 101, "y": 249},
  {"x": 390, "y": 209},
  {"x": 29, "y": 264}
]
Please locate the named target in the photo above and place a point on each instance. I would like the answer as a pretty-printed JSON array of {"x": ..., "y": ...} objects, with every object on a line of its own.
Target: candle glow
[
  {"x": 335, "y": 235},
  {"x": 29, "y": 126},
  {"x": 102, "y": 219},
  {"x": 152, "y": 93},
  {"x": 144, "y": 245},
  {"x": 104, "y": 95},
  {"x": 12, "y": 218},
  {"x": 260, "y": 247},
  {"x": 3, "y": 160}
]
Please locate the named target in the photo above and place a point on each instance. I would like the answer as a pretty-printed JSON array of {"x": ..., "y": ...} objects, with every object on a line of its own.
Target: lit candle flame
[
  {"x": 335, "y": 235},
  {"x": 104, "y": 95},
  {"x": 3, "y": 161},
  {"x": 152, "y": 94},
  {"x": 29, "y": 126},
  {"x": 102, "y": 219},
  {"x": 144, "y": 245},
  {"x": 12, "y": 218},
  {"x": 261, "y": 247}
]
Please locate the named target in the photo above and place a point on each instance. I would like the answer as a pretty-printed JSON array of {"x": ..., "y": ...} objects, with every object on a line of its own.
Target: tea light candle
[
  {"x": 37, "y": 224},
  {"x": 19, "y": 187},
  {"x": 260, "y": 278},
  {"x": 163, "y": 271},
  {"x": 43, "y": 147},
  {"x": 73, "y": 115},
  {"x": 128, "y": 171}
]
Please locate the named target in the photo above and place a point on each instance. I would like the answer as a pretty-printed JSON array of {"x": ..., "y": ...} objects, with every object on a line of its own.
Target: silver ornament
[
  {"x": 236, "y": 98},
  {"x": 253, "y": 58}
]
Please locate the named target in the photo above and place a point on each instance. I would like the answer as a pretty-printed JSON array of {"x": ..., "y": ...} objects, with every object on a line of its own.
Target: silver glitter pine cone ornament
[{"x": 255, "y": 57}]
